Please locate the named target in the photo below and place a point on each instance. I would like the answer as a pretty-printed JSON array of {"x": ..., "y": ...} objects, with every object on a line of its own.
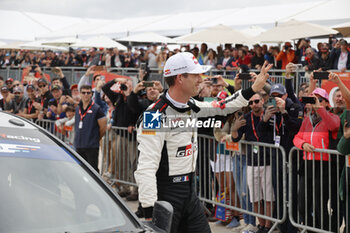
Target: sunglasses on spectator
[
  {"x": 320, "y": 99},
  {"x": 86, "y": 92},
  {"x": 253, "y": 101},
  {"x": 42, "y": 86},
  {"x": 16, "y": 85},
  {"x": 278, "y": 95}
]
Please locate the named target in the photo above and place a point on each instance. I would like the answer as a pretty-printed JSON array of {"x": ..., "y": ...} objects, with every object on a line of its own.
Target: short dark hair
[
  {"x": 55, "y": 78},
  {"x": 70, "y": 108},
  {"x": 87, "y": 87},
  {"x": 171, "y": 79},
  {"x": 95, "y": 77}
]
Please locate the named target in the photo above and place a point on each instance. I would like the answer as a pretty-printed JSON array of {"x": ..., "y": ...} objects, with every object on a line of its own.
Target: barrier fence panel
[
  {"x": 318, "y": 190},
  {"x": 250, "y": 180},
  {"x": 120, "y": 155},
  {"x": 50, "y": 126}
]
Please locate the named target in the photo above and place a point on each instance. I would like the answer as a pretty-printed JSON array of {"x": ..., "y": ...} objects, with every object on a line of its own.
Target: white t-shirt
[
  {"x": 343, "y": 59},
  {"x": 152, "y": 60}
]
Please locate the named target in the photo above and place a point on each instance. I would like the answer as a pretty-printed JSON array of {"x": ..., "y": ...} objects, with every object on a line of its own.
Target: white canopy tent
[
  {"x": 343, "y": 28},
  {"x": 12, "y": 45},
  {"x": 219, "y": 34},
  {"x": 63, "y": 42},
  {"x": 122, "y": 27},
  {"x": 292, "y": 30},
  {"x": 38, "y": 45},
  {"x": 2, "y": 43},
  {"x": 149, "y": 37},
  {"x": 98, "y": 42},
  {"x": 253, "y": 31}
]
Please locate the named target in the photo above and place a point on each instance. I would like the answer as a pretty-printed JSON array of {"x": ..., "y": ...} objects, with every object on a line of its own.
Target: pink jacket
[{"x": 317, "y": 136}]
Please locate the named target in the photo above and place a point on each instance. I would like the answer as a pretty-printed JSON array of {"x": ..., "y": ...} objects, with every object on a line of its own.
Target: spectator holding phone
[
  {"x": 318, "y": 130},
  {"x": 286, "y": 55}
]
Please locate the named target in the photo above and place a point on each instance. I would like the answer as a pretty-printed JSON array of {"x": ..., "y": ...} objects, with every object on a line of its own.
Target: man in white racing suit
[{"x": 167, "y": 136}]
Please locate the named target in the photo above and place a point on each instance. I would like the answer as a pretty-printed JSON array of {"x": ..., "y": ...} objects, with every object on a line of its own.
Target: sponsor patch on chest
[{"x": 184, "y": 151}]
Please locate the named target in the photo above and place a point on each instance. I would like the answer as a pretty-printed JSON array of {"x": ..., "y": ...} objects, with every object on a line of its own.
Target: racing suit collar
[{"x": 191, "y": 104}]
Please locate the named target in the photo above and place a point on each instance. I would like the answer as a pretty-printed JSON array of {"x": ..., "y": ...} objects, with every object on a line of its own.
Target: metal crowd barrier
[
  {"x": 120, "y": 155},
  {"x": 247, "y": 189},
  {"x": 50, "y": 126},
  {"x": 315, "y": 186}
]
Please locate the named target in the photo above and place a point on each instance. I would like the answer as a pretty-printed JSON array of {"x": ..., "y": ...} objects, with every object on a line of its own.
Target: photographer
[
  {"x": 287, "y": 55},
  {"x": 117, "y": 91},
  {"x": 136, "y": 103}
]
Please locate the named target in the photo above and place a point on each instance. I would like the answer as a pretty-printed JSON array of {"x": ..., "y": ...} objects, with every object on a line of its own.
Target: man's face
[
  {"x": 9, "y": 84},
  {"x": 309, "y": 53},
  {"x": 16, "y": 84},
  {"x": 53, "y": 108},
  {"x": 215, "y": 89},
  {"x": 85, "y": 95},
  {"x": 226, "y": 53},
  {"x": 97, "y": 78},
  {"x": 190, "y": 84},
  {"x": 338, "y": 100},
  {"x": 344, "y": 47},
  {"x": 56, "y": 93},
  {"x": 152, "y": 93},
  {"x": 4, "y": 94},
  {"x": 18, "y": 96},
  {"x": 1, "y": 83},
  {"x": 256, "y": 103},
  {"x": 31, "y": 93},
  {"x": 43, "y": 87},
  {"x": 235, "y": 53}
]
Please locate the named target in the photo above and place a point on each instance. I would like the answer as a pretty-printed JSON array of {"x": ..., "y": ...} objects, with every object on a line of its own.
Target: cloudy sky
[{"x": 115, "y": 9}]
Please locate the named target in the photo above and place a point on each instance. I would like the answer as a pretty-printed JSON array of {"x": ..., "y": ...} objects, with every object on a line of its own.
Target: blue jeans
[{"x": 239, "y": 170}]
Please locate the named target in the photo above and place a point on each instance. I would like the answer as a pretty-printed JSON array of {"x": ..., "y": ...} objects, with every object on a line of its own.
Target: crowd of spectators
[
  {"x": 120, "y": 103},
  {"x": 332, "y": 55}
]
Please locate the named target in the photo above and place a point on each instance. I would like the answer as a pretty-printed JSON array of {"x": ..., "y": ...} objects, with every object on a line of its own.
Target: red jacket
[{"x": 317, "y": 136}]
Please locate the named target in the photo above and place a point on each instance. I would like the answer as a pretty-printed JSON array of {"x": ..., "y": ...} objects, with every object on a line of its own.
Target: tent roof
[{"x": 148, "y": 37}]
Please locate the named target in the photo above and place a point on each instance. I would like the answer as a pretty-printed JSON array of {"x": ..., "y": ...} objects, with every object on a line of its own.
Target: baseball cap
[
  {"x": 4, "y": 88},
  {"x": 74, "y": 86},
  {"x": 41, "y": 80},
  {"x": 55, "y": 87},
  {"x": 9, "y": 80},
  {"x": 278, "y": 88},
  {"x": 52, "y": 102},
  {"x": 321, "y": 92},
  {"x": 182, "y": 63},
  {"x": 343, "y": 42},
  {"x": 288, "y": 44}
]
